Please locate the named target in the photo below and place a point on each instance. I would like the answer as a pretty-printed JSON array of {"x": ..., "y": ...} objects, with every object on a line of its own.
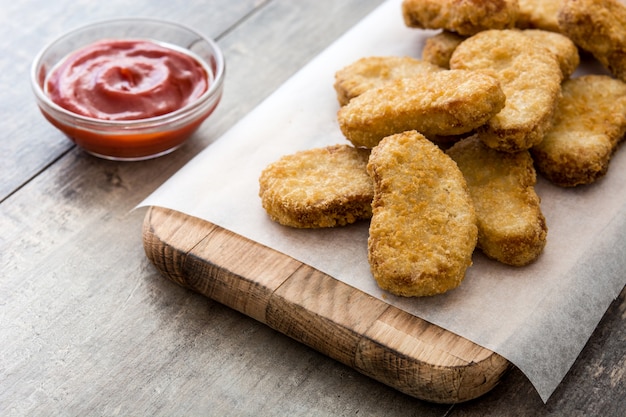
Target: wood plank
[
  {"x": 377, "y": 339},
  {"x": 323, "y": 313},
  {"x": 447, "y": 366}
]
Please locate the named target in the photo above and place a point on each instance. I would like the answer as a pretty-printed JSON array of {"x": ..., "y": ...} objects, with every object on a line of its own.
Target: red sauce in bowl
[
  {"x": 130, "y": 99},
  {"x": 126, "y": 80}
]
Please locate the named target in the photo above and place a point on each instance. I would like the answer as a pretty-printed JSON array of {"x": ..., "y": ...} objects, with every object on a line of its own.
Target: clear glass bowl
[{"x": 131, "y": 139}]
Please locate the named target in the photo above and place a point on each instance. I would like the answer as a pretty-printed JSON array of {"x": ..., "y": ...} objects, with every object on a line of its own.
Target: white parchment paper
[{"x": 538, "y": 317}]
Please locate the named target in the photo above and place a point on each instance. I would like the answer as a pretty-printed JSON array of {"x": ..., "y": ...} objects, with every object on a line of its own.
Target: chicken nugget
[
  {"x": 589, "y": 123},
  {"x": 465, "y": 17},
  {"x": 539, "y": 14},
  {"x": 442, "y": 103},
  {"x": 511, "y": 226},
  {"x": 322, "y": 187},
  {"x": 530, "y": 76},
  {"x": 438, "y": 48},
  {"x": 423, "y": 229},
  {"x": 599, "y": 27},
  {"x": 370, "y": 72},
  {"x": 561, "y": 46}
]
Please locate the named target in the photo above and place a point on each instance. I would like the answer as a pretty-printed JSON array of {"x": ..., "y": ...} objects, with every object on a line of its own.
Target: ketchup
[{"x": 126, "y": 80}]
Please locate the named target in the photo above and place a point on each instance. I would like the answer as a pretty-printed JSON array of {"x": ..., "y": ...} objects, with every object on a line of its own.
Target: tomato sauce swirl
[{"x": 126, "y": 80}]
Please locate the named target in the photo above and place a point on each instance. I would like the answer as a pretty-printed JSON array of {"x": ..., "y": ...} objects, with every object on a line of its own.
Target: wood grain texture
[{"x": 367, "y": 334}]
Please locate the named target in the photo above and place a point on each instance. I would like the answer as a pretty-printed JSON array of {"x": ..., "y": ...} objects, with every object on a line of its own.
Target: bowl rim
[{"x": 214, "y": 87}]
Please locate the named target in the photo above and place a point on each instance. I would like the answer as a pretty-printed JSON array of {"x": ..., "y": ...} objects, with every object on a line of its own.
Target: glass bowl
[{"x": 136, "y": 139}]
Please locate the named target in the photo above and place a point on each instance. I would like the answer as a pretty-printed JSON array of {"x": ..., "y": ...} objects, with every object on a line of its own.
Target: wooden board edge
[{"x": 391, "y": 346}]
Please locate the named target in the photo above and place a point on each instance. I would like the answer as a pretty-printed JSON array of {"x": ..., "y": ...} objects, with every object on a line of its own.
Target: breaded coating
[
  {"x": 322, "y": 187},
  {"x": 539, "y": 14},
  {"x": 438, "y": 48},
  {"x": 561, "y": 46},
  {"x": 465, "y": 17},
  {"x": 370, "y": 72},
  {"x": 511, "y": 226},
  {"x": 599, "y": 27},
  {"x": 442, "y": 103},
  {"x": 530, "y": 76},
  {"x": 423, "y": 229},
  {"x": 590, "y": 121}
]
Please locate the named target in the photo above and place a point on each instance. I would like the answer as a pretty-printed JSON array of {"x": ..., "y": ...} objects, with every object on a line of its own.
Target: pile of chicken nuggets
[{"x": 444, "y": 149}]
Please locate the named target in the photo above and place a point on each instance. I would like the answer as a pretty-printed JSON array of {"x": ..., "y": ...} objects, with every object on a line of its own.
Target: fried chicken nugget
[
  {"x": 423, "y": 228},
  {"x": 590, "y": 121},
  {"x": 599, "y": 27},
  {"x": 438, "y": 48},
  {"x": 530, "y": 76},
  {"x": 370, "y": 72},
  {"x": 465, "y": 17},
  {"x": 442, "y": 103},
  {"x": 539, "y": 14},
  {"x": 561, "y": 46},
  {"x": 511, "y": 226},
  {"x": 321, "y": 187}
]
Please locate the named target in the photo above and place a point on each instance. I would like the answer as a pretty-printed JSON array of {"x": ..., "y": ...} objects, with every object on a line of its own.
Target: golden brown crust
[
  {"x": 371, "y": 72},
  {"x": 590, "y": 121},
  {"x": 530, "y": 76},
  {"x": 465, "y": 17},
  {"x": 423, "y": 229},
  {"x": 539, "y": 14},
  {"x": 511, "y": 226},
  {"x": 561, "y": 46},
  {"x": 599, "y": 27},
  {"x": 322, "y": 187},
  {"x": 442, "y": 103},
  {"x": 439, "y": 48}
]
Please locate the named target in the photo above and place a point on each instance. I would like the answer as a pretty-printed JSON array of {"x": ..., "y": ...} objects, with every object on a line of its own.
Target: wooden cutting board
[{"x": 377, "y": 339}]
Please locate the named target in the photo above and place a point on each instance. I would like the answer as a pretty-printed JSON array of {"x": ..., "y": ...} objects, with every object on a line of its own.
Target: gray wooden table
[{"x": 87, "y": 325}]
